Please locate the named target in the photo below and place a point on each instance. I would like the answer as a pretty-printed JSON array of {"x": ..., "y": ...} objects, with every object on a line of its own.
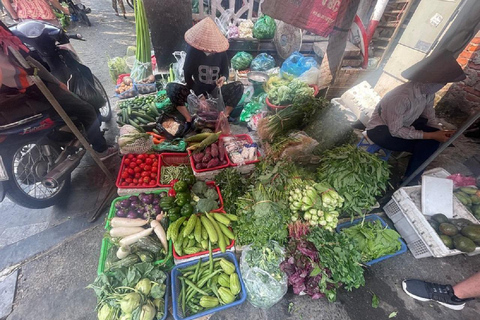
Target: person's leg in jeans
[
  {"x": 421, "y": 149},
  {"x": 74, "y": 106}
]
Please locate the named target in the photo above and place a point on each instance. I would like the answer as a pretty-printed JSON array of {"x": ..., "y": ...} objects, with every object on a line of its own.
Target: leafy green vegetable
[
  {"x": 338, "y": 254},
  {"x": 261, "y": 217},
  {"x": 375, "y": 301},
  {"x": 125, "y": 291},
  {"x": 357, "y": 175},
  {"x": 296, "y": 90},
  {"x": 373, "y": 240},
  {"x": 241, "y": 60},
  {"x": 264, "y": 28},
  {"x": 233, "y": 185}
]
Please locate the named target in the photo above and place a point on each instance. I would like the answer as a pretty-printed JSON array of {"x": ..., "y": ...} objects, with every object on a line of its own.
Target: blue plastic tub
[
  {"x": 372, "y": 218},
  {"x": 242, "y": 296}
]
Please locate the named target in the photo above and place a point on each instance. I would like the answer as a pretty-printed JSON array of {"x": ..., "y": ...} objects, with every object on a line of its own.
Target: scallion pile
[{"x": 142, "y": 67}]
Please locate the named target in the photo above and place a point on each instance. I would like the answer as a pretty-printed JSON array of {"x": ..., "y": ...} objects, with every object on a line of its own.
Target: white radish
[
  {"x": 120, "y": 232},
  {"x": 126, "y": 222},
  {"x": 135, "y": 237},
  {"x": 160, "y": 232},
  {"x": 123, "y": 252},
  {"x": 159, "y": 217}
]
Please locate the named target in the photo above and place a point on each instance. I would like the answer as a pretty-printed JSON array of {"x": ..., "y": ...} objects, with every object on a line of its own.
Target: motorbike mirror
[
  {"x": 76, "y": 36},
  {"x": 31, "y": 29}
]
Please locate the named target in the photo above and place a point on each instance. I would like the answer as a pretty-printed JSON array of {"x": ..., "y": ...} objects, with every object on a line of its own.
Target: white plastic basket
[{"x": 422, "y": 240}]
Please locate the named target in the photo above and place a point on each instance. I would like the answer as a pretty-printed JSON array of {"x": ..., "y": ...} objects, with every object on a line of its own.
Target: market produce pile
[
  {"x": 284, "y": 93},
  {"x": 460, "y": 234},
  {"x": 470, "y": 197}
]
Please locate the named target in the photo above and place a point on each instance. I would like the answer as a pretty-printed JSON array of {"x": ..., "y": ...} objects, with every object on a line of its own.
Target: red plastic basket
[
  {"x": 247, "y": 138},
  {"x": 171, "y": 160},
  {"x": 192, "y": 163},
  {"x": 119, "y": 177},
  {"x": 201, "y": 253},
  {"x": 275, "y": 107}
]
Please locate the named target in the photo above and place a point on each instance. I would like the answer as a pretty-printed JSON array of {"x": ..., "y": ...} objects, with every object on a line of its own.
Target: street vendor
[
  {"x": 205, "y": 69},
  {"x": 404, "y": 120}
]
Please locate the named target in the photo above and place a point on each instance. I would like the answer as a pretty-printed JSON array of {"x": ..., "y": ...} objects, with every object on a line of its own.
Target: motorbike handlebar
[{"x": 76, "y": 36}]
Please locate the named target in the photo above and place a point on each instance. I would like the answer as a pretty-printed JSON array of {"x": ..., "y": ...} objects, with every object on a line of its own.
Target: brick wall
[{"x": 466, "y": 94}]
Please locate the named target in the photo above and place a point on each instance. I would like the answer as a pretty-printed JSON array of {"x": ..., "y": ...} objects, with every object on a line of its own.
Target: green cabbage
[
  {"x": 130, "y": 302},
  {"x": 241, "y": 60}
]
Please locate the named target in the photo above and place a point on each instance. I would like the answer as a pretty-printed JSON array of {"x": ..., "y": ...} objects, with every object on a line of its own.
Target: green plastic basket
[
  {"x": 167, "y": 262},
  {"x": 164, "y": 103}
]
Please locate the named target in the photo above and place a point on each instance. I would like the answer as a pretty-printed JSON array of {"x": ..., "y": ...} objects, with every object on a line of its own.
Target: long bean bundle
[{"x": 142, "y": 67}]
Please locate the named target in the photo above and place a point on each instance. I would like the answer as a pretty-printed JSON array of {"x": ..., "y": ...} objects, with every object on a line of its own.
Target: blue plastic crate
[
  {"x": 242, "y": 296},
  {"x": 372, "y": 218}
]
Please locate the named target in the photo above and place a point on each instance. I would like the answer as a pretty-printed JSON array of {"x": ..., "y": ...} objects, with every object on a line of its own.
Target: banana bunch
[
  {"x": 192, "y": 235},
  {"x": 319, "y": 205}
]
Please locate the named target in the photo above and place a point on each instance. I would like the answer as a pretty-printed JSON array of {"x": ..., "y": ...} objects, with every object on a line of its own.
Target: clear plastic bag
[
  {"x": 264, "y": 287},
  {"x": 178, "y": 66},
  {"x": 310, "y": 76},
  {"x": 222, "y": 124},
  {"x": 262, "y": 62},
  {"x": 296, "y": 64}
]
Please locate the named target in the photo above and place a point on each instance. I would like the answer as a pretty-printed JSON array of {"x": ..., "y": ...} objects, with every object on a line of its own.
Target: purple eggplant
[
  {"x": 133, "y": 198},
  {"x": 156, "y": 209},
  {"x": 121, "y": 213},
  {"x": 156, "y": 201},
  {"x": 145, "y": 215},
  {"x": 125, "y": 203},
  {"x": 132, "y": 214},
  {"x": 118, "y": 205},
  {"x": 134, "y": 204}
]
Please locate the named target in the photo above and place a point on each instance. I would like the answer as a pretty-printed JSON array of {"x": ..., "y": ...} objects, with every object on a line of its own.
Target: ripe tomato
[
  {"x": 152, "y": 182},
  {"x": 137, "y": 169},
  {"x": 137, "y": 175},
  {"x": 135, "y": 180},
  {"x": 132, "y": 165},
  {"x": 125, "y": 175},
  {"x": 155, "y": 166},
  {"x": 141, "y": 156},
  {"x": 153, "y": 175},
  {"x": 131, "y": 184},
  {"x": 146, "y": 167},
  {"x": 145, "y": 174},
  {"x": 152, "y": 156},
  {"x": 130, "y": 171},
  {"x": 148, "y": 161},
  {"x": 129, "y": 180},
  {"x": 130, "y": 156},
  {"x": 139, "y": 161},
  {"x": 142, "y": 166},
  {"x": 123, "y": 184},
  {"x": 146, "y": 179},
  {"x": 126, "y": 161}
]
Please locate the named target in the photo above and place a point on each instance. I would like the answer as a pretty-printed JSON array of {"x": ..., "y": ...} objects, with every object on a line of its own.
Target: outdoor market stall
[{"x": 209, "y": 219}]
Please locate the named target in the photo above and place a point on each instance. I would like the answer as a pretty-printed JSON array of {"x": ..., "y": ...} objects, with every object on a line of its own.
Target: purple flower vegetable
[
  {"x": 133, "y": 198},
  {"x": 125, "y": 203},
  {"x": 134, "y": 204}
]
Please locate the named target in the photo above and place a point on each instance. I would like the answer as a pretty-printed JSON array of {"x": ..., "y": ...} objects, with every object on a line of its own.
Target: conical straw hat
[
  {"x": 206, "y": 36},
  {"x": 439, "y": 68}
]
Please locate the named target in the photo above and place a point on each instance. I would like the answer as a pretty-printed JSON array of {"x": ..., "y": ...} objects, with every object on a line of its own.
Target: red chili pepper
[{"x": 172, "y": 193}]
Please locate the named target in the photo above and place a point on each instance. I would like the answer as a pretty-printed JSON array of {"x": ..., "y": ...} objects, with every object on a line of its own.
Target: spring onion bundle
[{"x": 142, "y": 68}]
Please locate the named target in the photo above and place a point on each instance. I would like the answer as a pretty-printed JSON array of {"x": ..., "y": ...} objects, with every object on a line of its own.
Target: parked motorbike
[
  {"x": 38, "y": 152},
  {"x": 79, "y": 10}
]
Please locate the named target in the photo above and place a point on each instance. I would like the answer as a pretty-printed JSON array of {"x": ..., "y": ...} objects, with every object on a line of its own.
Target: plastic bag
[
  {"x": 245, "y": 29},
  {"x": 222, "y": 124},
  {"x": 178, "y": 66},
  {"x": 202, "y": 106},
  {"x": 116, "y": 67},
  {"x": 141, "y": 70},
  {"x": 82, "y": 84},
  {"x": 131, "y": 51},
  {"x": 224, "y": 20},
  {"x": 233, "y": 32},
  {"x": 460, "y": 180},
  {"x": 310, "y": 76},
  {"x": 296, "y": 65},
  {"x": 264, "y": 28},
  {"x": 241, "y": 60},
  {"x": 170, "y": 126},
  {"x": 264, "y": 289},
  {"x": 262, "y": 62}
]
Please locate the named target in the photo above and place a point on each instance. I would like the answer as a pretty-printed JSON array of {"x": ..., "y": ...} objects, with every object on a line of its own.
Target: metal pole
[{"x": 445, "y": 145}]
